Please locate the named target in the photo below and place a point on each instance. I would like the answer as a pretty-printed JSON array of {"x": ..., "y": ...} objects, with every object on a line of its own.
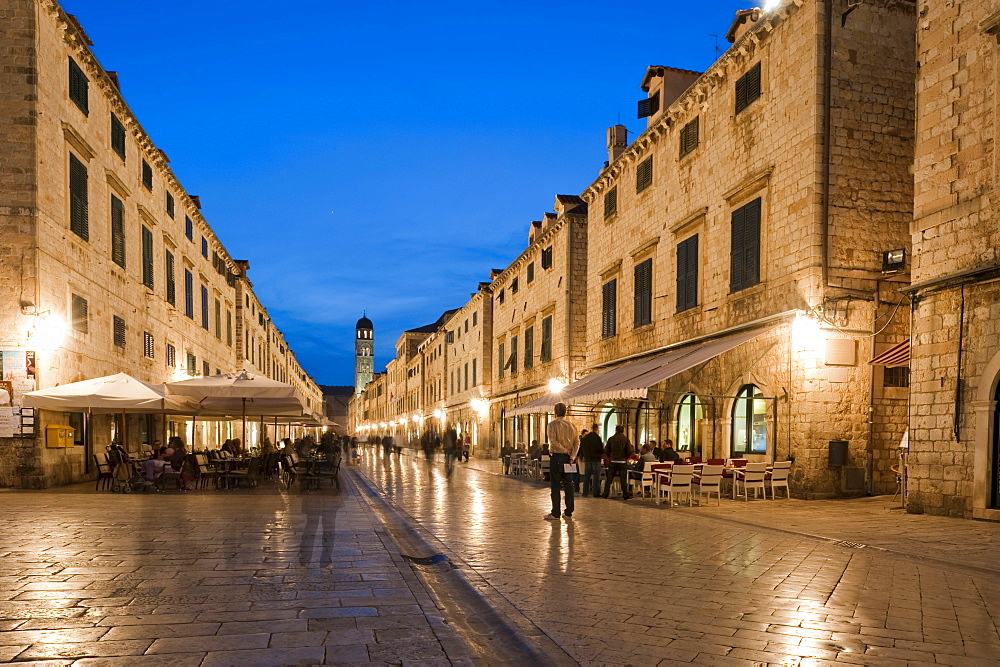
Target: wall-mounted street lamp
[
  {"x": 556, "y": 385},
  {"x": 481, "y": 407}
]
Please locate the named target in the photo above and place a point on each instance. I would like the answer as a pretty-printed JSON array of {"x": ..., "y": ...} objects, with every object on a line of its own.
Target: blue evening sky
[{"x": 384, "y": 156}]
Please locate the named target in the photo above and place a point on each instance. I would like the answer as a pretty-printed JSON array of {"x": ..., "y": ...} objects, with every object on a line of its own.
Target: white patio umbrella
[{"x": 241, "y": 393}]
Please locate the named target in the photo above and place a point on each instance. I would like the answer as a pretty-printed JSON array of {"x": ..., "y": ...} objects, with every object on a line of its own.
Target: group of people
[
  {"x": 567, "y": 450},
  {"x": 454, "y": 445},
  {"x": 171, "y": 459}
]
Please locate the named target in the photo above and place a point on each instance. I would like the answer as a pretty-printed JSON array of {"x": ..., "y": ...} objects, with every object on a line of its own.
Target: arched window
[
  {"x": 749, "y": 422},
  {"x": 609, "y": 421},
  {"x": 689, "y": 416}
]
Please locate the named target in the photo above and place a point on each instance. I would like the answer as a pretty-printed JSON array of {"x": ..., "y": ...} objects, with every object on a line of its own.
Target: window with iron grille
[
  {"x": 147, "y": 176},
  {"x": 81, "y": 319},
  {"x": 896, "y": 377},
  {"x": 501, "y": 360},
  {"x": 188, "y": 228},
  {"x": 192, "y": 364},
  {"x": 171, "y": 356},
  {"x": 611, "y": 202},
  {"x": 530, "y": 273},
  {"x": 79, "y": 86},
  {"x": 687, "y": 273},
  {"x": 218, "y": 319},
  {"x": 546, "y": 351},
  {"x": 188, "y": 294},
  {"x": 609, "y": 308},
  {"x": 547, "y": 258},
  {"x": 689, "y": 137},
  {"x": 748, "y": 88},
  {"x": 171, "y": 286},
  {"x": 644, "y": 174},
  {"x": 170, "y": 205},
  {"x": 147, "y": 257},
  {"x": 643, "y": 293},
  {"x": 117, "y": 231},
  {"x": 119, "y": 331},
  {"x": 204, "y": 247},
  {"x": 529, "y": 347},
  {"x": 148, "y": 349},
  {"x": 78, "y": 202},
  {"x": 204, "y": 308},
  {"x": 117, "y": 137},
  {"x": 744, "y": 269}
]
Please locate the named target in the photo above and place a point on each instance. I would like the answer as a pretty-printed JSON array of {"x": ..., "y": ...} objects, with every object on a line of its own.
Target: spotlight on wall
[
  {"x": 556, "y": 385},
  {"x": 481, "y": 407},
  {"x": 893, "y": 261}
]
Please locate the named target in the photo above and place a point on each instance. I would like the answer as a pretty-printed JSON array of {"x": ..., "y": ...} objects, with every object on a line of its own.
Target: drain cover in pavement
[
  {"x": 852, "y": 545},
  {"x": 426, "y": 560}
]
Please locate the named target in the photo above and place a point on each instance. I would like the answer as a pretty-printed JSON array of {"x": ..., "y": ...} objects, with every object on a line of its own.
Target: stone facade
[
  {"x": 108, "y": 264},
  {"x": 955, "y": 362}
]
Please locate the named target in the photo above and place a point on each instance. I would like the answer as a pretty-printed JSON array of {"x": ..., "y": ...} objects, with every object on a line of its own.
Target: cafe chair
[
  {"x": 642, "y": 478},
  {"x": 777, "y": 477},
  {"x": 751, "y": 477},
  {"x": 676, "y": 483},
  {"x": 104, "y": 475},
  {"x": 707, "y": 483}
]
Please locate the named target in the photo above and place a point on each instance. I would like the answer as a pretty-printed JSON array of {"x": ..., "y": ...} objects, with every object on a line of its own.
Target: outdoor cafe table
[{"x": 225, "y": 468}]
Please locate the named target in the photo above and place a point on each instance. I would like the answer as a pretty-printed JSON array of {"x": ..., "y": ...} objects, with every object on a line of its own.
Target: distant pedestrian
[
  {"x": 618, "y": 449},
  {"x": 563, "y": 445},
  {"x": 592, "y": 452}
]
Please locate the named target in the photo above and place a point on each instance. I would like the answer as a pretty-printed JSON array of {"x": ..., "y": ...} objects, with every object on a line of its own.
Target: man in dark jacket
[
  {"x": 668, "y": 453},
  {"x": 618, "y": 449},
  {"x": 592, "y": 451}
]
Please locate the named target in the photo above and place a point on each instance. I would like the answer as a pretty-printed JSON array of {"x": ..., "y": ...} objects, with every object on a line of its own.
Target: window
[
  {"x": 148, "y": 349},
  {"x": 170, "y": 205},
  {"x": 475, "y": 318},
  {"x": 189, "y": 229},
  {"x": 689, "y": 137},
  {"x": 206, "y": 369},
  {"x": 188, "y": 294},
  {"x": 546, "y": 351},
  {"x": 466, "y": 374},
  {"x": 147, "y": 176},
  {"x": 78, "y": 203},
  {"x": 547, "y": 258},
  {"x": 744, "y": 270},
  {"x": 687, "y": 273},
  {"x": 78, "y": 87},
  {"x": 649, "y": 106},
  {"x": 609, "y": 306},
  {"x": 117, "y": 137},
  {"x": 147, "y": 257},
  {"x": 204, "y": 247},
  {"x": 513, "y": 286},
  {"x": 117, "y": 231},
  {"x": 81, "y": 321},
  {"x": 218, "y": 319},
  {"x": 689, "y": 416},
  {"x": 171, "y": 287},
  {"x": 643, "y": 293},
  {"x": 896, "y": 377},
  {"x": 530, "y": 273},
  {"x": 466, "y": 326},
  {"x": 611, "y": 202},
  {"x": 119, "y": 331},
  {"x": 749, "y": 422},
  {"x": 502, "y": 360},
  {"x": 473, "y": 372},
  {"x": 171, "y": 356},
  {"x": 500, "y": 297},
  {"x": 644, "y": 174},
  {"x": 529, "y": 347},
  {"x": 512, "y": 362},
  {"x": 192, "y": 364},
  {"x": 748, "y": 88}
]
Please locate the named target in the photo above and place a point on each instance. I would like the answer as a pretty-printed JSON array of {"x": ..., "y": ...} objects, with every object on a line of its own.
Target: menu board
[{"x": 7, "y": 422}]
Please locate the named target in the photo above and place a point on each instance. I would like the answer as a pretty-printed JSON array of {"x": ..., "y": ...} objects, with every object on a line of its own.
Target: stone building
[
  {"x": 107, "y": 263},
  {"x": 954, "y": 440},
  {"x": 736, "y": 269},
  {"x": 364, "y": 352}
]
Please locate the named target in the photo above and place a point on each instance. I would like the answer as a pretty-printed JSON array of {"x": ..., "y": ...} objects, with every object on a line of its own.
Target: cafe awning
[
  {"x": 897, "y": 355},
  {"x": 633, "y": 379}
]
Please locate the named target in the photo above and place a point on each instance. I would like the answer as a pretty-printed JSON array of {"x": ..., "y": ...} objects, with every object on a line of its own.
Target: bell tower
[{"x": 364, "y": 353}]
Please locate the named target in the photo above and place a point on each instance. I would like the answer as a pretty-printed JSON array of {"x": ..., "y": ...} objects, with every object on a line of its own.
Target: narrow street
[{"x": 633, "y": 583}]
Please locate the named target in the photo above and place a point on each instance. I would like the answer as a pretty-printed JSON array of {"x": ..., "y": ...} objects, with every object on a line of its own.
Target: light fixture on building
[
  {"x": 416, "y": 419},
  {"x": 808, "y": 336},
  {"x": 47, "y": 332},
  {"x": 439, "y": 413},
  {"x": 481, "y": 407},
  {"x": 893, "y": 261},
  {"x": 556, "y": 385}
]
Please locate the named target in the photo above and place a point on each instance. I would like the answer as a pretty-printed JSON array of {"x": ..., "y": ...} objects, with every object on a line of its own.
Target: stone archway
[{"x": 984, "y": 461}]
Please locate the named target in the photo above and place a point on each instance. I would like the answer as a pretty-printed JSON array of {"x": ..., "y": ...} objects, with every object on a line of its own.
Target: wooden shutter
[
  {"x": 751, "y": 244},
  {"x": 687, "y": 273},
  {"x": 644, "y": 174},
  {"x": 689, "y": 136},
  {"x": 117, "y": 136},
  {"x": 170, "y": 205},
  {"x": 171, "y": 286},
  {"x": 530, "y": 273},
  {"x": 546, "y": 354},
  {"x": 529, "y": 347},
  {"x": 147, "y": 176},
  {"x": 649, "y": 106},
  {"x": 609, "y": 296},
  {"x": 748, "y": 88},
  {"x": 81, "y": 321},
  {"x": 737, "y": 255},
  {"x": 188, "y": 294},
  {"x": 119, "y": 331},
  {"x": 643, "y": 274},
  {"x": 117, "y": 231},
  {"x": 171, "y": 356},
  {"x": 513, "y": 355},
  {"x": 78, "y": 86},
  {"x": 500, "y": 358},
  {"x": 78, "y": 203},
  {"x": 147, "y": 257},
  {"x": 148, "y": 348},
  {"x": 611, "y": 202}
]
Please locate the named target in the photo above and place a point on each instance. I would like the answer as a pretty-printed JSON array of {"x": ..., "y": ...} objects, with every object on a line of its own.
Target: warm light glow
[
  {"x": 48, "y": 333},
  {"x": 771, "y": 5},
  {"x": 556, "y": 385},
  {"x": 481, "y": 407},
  {"x": 807, "y": 335},
  {"x": 416, "y": 419},
  {"x": 439, "y": 413},
  {"x": 383, "y": 424}
]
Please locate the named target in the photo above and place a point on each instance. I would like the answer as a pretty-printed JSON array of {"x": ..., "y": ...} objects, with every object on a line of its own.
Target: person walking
[
  {"x": 563, "y": 445},
  {"x": 592, "y": 451},
  {"x": 618, "y": 449}
]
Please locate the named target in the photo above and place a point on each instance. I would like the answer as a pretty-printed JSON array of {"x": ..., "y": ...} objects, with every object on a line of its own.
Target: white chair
[
  {"x": 751, "y": 476},
  {"x": 707, "y": 483},
  {"x": 677, "y": 483},
  {"x": 778, "y": 477},
  {"x": 542, "y": 469},
  {"x": 642, "y": 478}
]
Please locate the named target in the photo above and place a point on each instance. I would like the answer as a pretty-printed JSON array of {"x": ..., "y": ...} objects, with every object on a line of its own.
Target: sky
[{"x": 383, "y": 157}]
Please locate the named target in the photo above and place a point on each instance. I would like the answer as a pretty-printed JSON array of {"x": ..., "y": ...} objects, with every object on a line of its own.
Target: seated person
[
  {"x": 668, "y": 453},
  {"x": 153, "y": 468},
  {"x": 646, "y": 455}
]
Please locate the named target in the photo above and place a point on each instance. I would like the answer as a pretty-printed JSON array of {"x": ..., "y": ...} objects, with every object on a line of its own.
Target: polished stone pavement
[
  {"x": 272, "y": 577},
  {"x": 781, "y": 582}
]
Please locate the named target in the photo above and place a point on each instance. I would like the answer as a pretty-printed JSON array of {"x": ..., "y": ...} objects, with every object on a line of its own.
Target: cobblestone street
[{"x": 769, "y": 582}]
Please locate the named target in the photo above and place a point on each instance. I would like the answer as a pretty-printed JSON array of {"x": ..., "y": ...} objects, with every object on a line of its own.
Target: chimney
[
  {"x": 745, "y": 18},
  {"x": 617, "y": 141}
]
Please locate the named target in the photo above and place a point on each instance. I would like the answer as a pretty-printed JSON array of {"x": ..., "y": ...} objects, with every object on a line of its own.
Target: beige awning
[
  {"x": 633, "y": 379},
  {"x": 897, "y": 355}
]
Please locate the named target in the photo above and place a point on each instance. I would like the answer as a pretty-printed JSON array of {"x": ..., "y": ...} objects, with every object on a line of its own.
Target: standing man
[
  {"x": 618, "y": 449},
  {"x": 563, "y": 446},
  {"x": 592, "y": 451}
]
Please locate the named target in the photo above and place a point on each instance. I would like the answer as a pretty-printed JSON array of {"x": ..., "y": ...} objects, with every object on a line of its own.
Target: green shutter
[
  {"x": 78, "y": 202},
  {"x": 147, "y": 257},
  {"x": 609, "y": 307},
  {"x": 117, "y": 231}
]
